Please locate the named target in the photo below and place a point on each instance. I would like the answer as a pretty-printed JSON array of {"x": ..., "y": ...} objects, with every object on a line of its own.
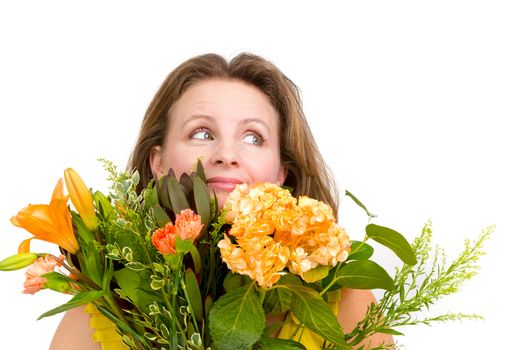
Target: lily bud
[
  {"x": 18, "y": 261},
  {"x": 81, "y": 198}
]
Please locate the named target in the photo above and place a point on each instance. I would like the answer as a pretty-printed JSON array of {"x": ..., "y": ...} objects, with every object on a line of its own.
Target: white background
[{"x": 415, "y": 105}]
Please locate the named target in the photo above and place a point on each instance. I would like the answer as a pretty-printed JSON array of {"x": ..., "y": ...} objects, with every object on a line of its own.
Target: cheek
[
  {"x": 179, "y": 158},
  {"x": 266, "y": 169}
]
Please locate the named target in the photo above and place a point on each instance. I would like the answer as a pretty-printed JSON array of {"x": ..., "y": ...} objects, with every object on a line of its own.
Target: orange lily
[
  {"x": 50, "y": 223},
  {"x": 81, "y": 198}
]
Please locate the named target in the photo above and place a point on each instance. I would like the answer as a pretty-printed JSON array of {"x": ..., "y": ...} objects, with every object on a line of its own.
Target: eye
[
  {"x": 201, "y": 134},
  {"x": 253, "y": 139}
]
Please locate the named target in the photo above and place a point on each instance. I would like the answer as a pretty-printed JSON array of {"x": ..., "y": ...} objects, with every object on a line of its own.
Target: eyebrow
[
  {"x": 197, "y": 117},
  {"x": 212, "y": 120},
  {"x": 256, "y": 120}
]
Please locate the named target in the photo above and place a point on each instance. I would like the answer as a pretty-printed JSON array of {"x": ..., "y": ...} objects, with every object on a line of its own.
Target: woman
[{"x": 244, "y": 120}]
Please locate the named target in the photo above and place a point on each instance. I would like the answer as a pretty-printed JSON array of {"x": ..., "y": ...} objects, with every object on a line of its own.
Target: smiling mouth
[{"x": 223, "y": 183}]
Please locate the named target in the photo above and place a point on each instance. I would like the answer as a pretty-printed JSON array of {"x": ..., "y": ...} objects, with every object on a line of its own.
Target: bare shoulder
[
  {"x": 352, "y": 309},
  {"x": 74, "y": 332}
]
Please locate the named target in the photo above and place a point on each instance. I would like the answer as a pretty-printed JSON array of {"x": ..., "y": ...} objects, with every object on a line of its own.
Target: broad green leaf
[
  {"x": 81, "y": 298},
  {"x": 310, "y": 308},
  {"x": 278, "y": 301},
  {"x": 178, "y": 199},
  {"x": 392, "y": 240},
  {"x": 289, "y": 279},
  {"x": 358, "y": 202},
  {"x": 202, "y": 201},
  {"x": 194, "y": 293},
  {"x": 364, "y": 274},
  {"x": 267, "y": 343},
  {"x": 360, "y": 251},
  {"x": 237, "y": 319},
  {"x": 130, "y": 281},
  {"x": 316, "y": 274},
  {"x": 234, "y": 280}
]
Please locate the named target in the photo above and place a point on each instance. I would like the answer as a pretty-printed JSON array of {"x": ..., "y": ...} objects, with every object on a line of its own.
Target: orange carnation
[{"x": 187, "y": 226}]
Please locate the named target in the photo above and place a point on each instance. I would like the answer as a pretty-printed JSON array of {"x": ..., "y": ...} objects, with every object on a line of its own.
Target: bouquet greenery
[{"x": 172, "y": 271}]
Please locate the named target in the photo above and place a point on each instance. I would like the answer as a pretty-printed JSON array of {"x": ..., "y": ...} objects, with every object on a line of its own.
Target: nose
[{"x": 225, "y": 154}]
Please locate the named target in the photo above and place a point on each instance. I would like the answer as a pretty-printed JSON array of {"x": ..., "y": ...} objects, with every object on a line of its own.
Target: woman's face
[{"x": 231, "y": 127}]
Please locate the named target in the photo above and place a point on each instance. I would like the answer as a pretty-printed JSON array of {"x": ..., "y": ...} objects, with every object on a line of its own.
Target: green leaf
[
  {"x": 316, "y": 274},
  {"x": 392, "y": 240},
  {"x": 132, "y": 284},
  {"x": 364, "y": 274},
  {"x": 358, "y": 202},
  {"x": 237, "y": 319},
  {"x": 360, "y": 251},
  {"x": 91, "y": 264},
  {"x": 202, "y": 201},
  {"x": 195, "y": 256},
  {"x": 160, "y": 215},
  {"x": 278, "y": 301},
  {"x": 200, "y": 171},
  {"x": 194, "y": 293},
  {"x": 122, "y": 326},
  {"x": 183, "y": 246},
  {"x": 388, "y": 330},
  {"x": 104, "y": 207},
  {"x": 162, "y": 193},
  {"x": 310, "y": 308},
  {"x": 178, "y": 199},
  {"x": 81, "y": 298},
  {"x": 234, "y": 280},
  {"x": 85, "y": 235},
  {"x": 267, "y": 343},
  {"x": 150, "y": 197}
]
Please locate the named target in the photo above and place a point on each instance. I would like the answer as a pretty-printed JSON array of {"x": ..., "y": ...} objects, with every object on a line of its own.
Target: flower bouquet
[{"x": 172, "y": 271}]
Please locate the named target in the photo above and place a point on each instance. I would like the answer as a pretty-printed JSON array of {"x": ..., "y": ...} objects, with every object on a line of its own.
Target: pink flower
[
  {"x": 34, "y": 282},
  {"x": 187, "y": 226}
]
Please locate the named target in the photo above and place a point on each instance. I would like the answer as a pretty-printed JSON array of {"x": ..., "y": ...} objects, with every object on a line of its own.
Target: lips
[{"x": 223, "y": 183}]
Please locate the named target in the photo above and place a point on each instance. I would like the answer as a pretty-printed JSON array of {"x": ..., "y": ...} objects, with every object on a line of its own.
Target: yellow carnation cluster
[{"x": 272, "y": 231}]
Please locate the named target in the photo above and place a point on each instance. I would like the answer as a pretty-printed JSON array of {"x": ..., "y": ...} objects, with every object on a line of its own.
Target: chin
[{"x": 221, "y": 198}]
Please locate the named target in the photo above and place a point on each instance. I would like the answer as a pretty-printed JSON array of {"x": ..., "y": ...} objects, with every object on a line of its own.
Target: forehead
[{"x": 224, "y": 98}]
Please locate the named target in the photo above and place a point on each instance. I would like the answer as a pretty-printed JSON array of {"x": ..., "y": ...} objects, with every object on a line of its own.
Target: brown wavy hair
[{"x": 307, "y": 172}]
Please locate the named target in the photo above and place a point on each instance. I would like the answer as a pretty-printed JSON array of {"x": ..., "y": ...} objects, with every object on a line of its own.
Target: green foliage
[
  {"x": 237, "y": 319},
  {"x": 364, "y": 274},
  {"x": 188, "y": 299},
  {"x": 392, "y": 240},
  {"x": 308, "y": 306},
  {"x": 418, "y": 287}
]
